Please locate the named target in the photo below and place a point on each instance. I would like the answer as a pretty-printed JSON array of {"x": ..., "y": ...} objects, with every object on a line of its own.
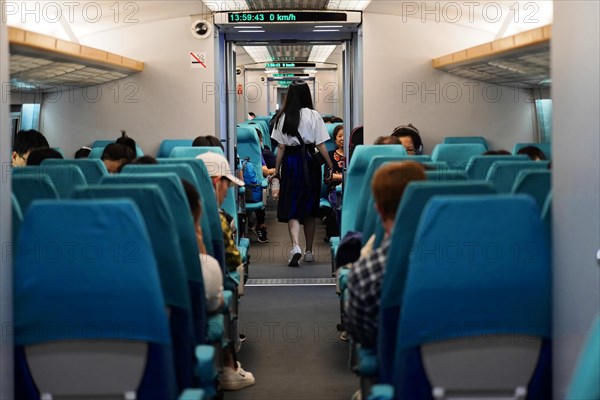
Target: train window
[{"x": 543, "y": 109}]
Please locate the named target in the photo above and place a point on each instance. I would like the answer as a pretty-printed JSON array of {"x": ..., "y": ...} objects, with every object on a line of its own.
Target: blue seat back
[
  {"x": 547, "y": 211},
  {"x": 98, "y": 276},
  {"x": 446, "y": 175},
  {"x": 546, "y": 148},
  {"x": 355, "y": 179},
  {"x": 366, "y": 194},
  {"x": 414, "y": 200},
  {"x": 478, "y": 166},
  {"x": 584, "y": 382},
  {"x": 101, "y": 143},
  {"x": 465, "y": 140},
  {"x": 64, "y": 177},
  {"x": 261, "y": 125},
  {"x": 17, "y": 217},
  {"x": 191, "y": 152},
  {"x": 536, "y": 183},
  {"x": 27, "y": 188},
  {"x": 167, "y": 145},
  {"x": 172, "y": 189},
  {"x": 248, "y": 146},
  {"x": 93, "y": 170},
  {"x": 96, "y": 153},
  {"x": 164, "y": 238},
  {"x": 210, "y": 208},
  {"x": 457, "y": 155},
  {"x": 464, "y": 272},
  {"x": 503, "y": 174}
]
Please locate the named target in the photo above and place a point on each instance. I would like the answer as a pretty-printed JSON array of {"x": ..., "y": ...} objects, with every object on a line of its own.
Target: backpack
[{"x": 253, "y": 185}]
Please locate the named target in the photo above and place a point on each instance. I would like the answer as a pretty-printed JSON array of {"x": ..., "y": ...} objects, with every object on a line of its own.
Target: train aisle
[{"x": 289, "y": 316}]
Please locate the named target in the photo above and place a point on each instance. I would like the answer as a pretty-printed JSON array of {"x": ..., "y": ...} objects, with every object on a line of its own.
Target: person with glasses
[{"x": 24, "y": 143}]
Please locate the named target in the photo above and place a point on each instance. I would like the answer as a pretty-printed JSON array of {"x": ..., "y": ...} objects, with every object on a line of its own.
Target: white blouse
[{"x": 311, "y": 128}]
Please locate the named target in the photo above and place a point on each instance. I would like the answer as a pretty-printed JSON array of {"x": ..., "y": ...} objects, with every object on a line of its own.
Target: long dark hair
[{"x": 298, "y": 97}]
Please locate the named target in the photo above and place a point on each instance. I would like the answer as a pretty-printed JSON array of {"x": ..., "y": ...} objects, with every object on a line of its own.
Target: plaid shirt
[{"x": 364, "y": 289}]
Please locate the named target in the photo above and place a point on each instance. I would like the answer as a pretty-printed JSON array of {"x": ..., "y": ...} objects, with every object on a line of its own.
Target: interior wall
[
  {"x": 256, "y": 92},
  {"x": 401, "y": 86},
  {"x": 169, "y": 99},
  {"x": 327, "y": 92},
  {"x": 575, "y": 69},
  {"x": 6, "y": 302}
]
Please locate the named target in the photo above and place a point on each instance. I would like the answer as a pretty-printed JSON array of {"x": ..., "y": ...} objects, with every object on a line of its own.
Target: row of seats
[
  {"x": 457, "y": 155},
  {"x": 373, "y": 366},
  {"x": 158, "y": 194}
]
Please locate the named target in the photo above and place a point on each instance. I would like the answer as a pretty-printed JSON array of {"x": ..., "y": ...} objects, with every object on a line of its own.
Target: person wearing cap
[
  {"x": 233, "y": 376},
  {"x": 221, "y": 175}
]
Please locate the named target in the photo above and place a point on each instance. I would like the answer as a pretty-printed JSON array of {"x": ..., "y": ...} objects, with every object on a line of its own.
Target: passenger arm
[
  {"x": 280, "y": 151},
  {"x": 329, "y": 172}
]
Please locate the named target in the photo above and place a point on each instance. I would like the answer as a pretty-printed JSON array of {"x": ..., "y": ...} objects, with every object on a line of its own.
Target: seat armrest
[
  {"x": 192, "y": 394},
  {"x": 205, "y": 366},
  {"x": 381, "y": 392}
]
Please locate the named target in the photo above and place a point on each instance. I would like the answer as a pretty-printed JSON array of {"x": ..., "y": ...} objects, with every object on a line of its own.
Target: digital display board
[
  {"x": 290, "y": 65},
  {"x": 286, "y": 17},
  {"x": 289, "y": 75}
]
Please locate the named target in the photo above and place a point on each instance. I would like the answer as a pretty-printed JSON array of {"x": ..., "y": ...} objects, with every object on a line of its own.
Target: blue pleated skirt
[{"x": 297, "y": 199}]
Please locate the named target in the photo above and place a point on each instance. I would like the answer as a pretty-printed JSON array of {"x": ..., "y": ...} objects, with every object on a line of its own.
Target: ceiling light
[
  {"x": 251, "y": 31},
  {"x": 259, "y": 54},
  {"x": 350, "y": 5},
  {"x": 326, "y": 30},
  {"x": 328, "y": 26},
  {"x": 226, "y": 5},
  {"x": 321, "y": 53},
  {"x": 247, "y": 27}
]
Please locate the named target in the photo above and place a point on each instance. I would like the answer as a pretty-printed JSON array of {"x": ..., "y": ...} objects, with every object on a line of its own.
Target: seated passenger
[
  {"x": 115, "y": 155},
  {"x": 496, "y": 153},
  {"x": 251, "y": 115},
  {"x": 409, "y": 138},
  {"x": 233, "y": 377},
  {"x": 38, "y": 155},
  {"x": 364, "y": 280},
  {"x": 268, "y": 169},
  {"x": 25, "y": 142},
  {"x": 533, "y": 152},
  {"x": 211, "y": 271},
  {"x": 214, "y": 141},
  {"x": 337, "y": 156},
  {"x": 201, "y": 141},
  {"x": 387, "y": 140},
  {"x": 83, "y": 152},
  {"x": 127, "y": 141}
]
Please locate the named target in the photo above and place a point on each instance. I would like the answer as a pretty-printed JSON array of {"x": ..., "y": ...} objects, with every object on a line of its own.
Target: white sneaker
[
  {"x": 309, "y": 256},
  {"x": 295, "y": 255},
  {"x": 236, "y": 380}
]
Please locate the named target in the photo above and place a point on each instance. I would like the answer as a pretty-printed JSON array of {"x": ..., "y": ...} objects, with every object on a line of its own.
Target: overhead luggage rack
[
  {"x": 44, "y": 63},
  {"x": 521, "y": 60}
]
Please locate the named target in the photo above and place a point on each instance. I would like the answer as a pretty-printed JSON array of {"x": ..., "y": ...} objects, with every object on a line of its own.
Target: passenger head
[
  {"x": 251, "y": 115},
  {"x": 193, "y": 199},
  {"x": 38, "y": 155},
  {"x": 127, "y": 141},
  {"x": 115, "y": 155},
  {"x": 201, "y": 141},
  {"x": 338, "y": 136},
  {"x": 387, "y": 140},
  {"x": 220, "y": 172},
  {"x": 25, "y": 142},
  {"x": 298, "y": 97},
  {"x": 336, "y": 120},
  {"x": 83, "y": 152},
  {"x": 327, "y": 120},
  {"x": 409, "y": 138},
  {"x": 214, "y": 142},
  {"x": 388, "y": 187},
  {"x": 533, "y": 152},
  {"x": 145, "y": 160}
]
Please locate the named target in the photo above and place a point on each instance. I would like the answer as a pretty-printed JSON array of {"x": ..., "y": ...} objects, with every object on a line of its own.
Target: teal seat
[
  {"x": 27, "y": 188},
  {"x": 64, "y": 177},
  {"x": 457, "y": 155},
  {"x": 93, "y": 169},
  {"x": 210, "y": 208},
  {"x": 17, "y": 218},
  {"x": 248, "y": 147},
  {"x": 478, "y": 166},
  {"x": 502, "y": 174},
  {"x": 191, "y": 152},
  {"x": 536, "y": 183},
  {"x": 435, "y": 166},
  {"x": 101, "y": 143},
  {"x": 167, "y": 145},
  {"x": 355, "y": 179},
  {"x": 164, "y": 238},
  {"x": 465, "y": 139},
  {"x": 547, "y": 212},
  {"x": 105, "y": 285},
  {"x": 414, "y": 200},
  {"x": 584, "y": 382},
  {"x": 172, "y": 189},
  {"x": 446, "y": 175},
  {"x": 463, "y": 273},
  {"x": 546, "y": 148},
  {"x": 96, "y": 153},
  {"x": 261, "y": 125}
]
